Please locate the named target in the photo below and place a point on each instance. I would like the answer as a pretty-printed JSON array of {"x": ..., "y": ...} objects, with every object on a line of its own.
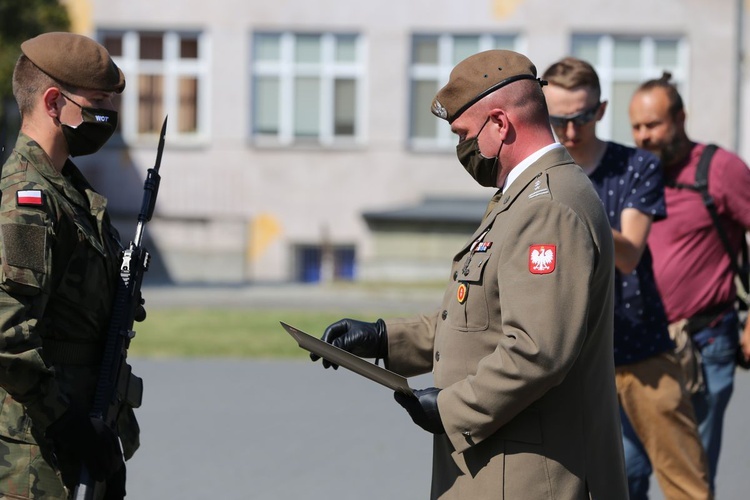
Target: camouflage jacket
[{"x": 60, "y": 262}]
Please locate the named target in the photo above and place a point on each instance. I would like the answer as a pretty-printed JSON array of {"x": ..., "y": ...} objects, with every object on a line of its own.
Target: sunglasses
[{"x": 578, "y": 119}]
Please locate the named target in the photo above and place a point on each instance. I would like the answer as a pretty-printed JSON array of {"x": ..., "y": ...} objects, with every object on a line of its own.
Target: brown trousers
[{"x": 653, "y": 395}]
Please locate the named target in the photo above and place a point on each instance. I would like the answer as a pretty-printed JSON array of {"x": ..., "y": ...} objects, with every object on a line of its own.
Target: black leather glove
[
  {"x": 423, "y": 409},
  {"x": 89, "y": 440},
  {"x": 366, "y": 340},
  {"x": 140, "y": 310},
  {"x": 116, "y": 486}
]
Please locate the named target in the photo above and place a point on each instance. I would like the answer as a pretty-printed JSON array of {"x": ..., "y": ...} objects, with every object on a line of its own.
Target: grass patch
[{"x": 190, "y": 332}]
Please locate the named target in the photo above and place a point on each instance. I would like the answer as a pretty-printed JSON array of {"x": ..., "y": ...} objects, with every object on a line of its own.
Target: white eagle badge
[{"x": 542, "y": 259}]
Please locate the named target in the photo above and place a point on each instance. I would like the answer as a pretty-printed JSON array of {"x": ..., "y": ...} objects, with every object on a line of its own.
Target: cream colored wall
[{"x": 299, "y": 192}]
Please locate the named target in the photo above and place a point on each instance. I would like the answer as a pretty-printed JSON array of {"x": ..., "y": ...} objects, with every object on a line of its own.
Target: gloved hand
[
  {"x": 140, "y": 310},
  {"x": 116, "y": 486},
  {"x": 366, "y": 340},
  {"x": 90, "y": 440},
  {"x": 423, "y": 409}
]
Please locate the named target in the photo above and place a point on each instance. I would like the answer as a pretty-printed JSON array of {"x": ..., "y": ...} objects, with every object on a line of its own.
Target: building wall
[{"x": 230, "y": 210}]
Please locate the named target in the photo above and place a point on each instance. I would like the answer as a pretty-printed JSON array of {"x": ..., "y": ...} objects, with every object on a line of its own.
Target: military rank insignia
[
  {"x": 542, "y": 259},
  {"x": 462, "y": 292},
  {"x": 29, "y": 198}
]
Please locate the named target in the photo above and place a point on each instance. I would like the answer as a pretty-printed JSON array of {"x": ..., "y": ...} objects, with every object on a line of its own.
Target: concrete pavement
[
  {"x": 278, "y": 430},
  {"x": 273, "y": 430}
]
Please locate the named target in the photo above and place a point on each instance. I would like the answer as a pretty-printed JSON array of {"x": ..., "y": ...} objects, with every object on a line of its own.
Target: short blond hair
[{"x": 570, "y": 73}]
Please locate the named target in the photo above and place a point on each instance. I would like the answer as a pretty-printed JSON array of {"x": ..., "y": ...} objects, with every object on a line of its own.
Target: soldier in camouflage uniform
[{"x": 60, "y": 262}]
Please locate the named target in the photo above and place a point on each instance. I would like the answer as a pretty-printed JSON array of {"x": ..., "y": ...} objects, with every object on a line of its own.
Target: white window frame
[
  {"x": 328, "y": 70},
  {"x": 648, "y": 69},
  {"x": 171, "y": 67},
  {"x": 440, "y": 72}
]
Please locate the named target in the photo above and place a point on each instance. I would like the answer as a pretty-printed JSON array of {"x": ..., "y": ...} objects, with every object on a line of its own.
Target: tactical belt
[{"x": 71, "y": 353}]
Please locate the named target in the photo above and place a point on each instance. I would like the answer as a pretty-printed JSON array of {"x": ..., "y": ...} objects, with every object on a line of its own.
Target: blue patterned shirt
[{"x": 632, "y": 178}]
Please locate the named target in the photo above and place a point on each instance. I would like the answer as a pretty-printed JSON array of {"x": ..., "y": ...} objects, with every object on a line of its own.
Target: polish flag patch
[
  {"x": 29, "y": 197},
  {"x": 542, "y": 259}
]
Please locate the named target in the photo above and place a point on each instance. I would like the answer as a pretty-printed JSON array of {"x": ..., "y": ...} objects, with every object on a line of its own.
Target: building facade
[{"x": 290, "y": 121}]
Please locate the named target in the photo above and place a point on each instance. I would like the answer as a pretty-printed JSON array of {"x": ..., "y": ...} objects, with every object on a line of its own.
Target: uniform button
[
  {"x": 466, "y": 433},
  {"x": 455, "y": 276},
  {"x": 437, "y": 356},
  {"x": 445, "y": 314}
]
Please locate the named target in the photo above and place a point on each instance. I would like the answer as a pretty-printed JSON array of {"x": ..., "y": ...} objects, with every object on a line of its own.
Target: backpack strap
[{"x": 701, "y": 186}]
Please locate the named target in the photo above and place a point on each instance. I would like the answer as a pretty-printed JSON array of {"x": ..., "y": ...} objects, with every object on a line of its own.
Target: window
[
  {"x": 308, "y": 88},
  {"x": 623, "y": 63},
  {"x": 432, "y": 59},
  {"x": 166, "y": 74}
]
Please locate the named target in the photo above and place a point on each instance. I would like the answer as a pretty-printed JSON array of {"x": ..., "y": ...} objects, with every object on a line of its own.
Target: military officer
[
  {"x": 60, "y": 261},
  {"x": 524, "y": 403}
]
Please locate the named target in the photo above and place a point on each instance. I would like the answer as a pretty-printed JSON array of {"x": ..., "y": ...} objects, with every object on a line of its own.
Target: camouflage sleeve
[{"x": 26, "y": 235}]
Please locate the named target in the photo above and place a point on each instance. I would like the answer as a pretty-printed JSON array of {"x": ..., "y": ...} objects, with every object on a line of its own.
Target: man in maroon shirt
[{"x": 691, "y": 265}]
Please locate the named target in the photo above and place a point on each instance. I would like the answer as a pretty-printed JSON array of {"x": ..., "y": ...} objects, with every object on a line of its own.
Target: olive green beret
[
  {"x": 74, "y": 60},
  {"x": 478, "y": 76}
]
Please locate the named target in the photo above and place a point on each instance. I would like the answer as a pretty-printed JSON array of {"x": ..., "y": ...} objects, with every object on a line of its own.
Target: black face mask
[
  {"x": 484, "y": 170},
  {"x": 92, "y": 133}
]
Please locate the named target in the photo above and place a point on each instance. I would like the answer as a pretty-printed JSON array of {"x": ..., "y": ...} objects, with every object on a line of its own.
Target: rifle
[{"x": 116, "y": 381}]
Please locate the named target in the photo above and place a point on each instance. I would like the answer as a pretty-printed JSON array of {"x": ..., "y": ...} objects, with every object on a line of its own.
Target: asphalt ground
[
  {"x": 277, "y": 430},
  {"x": 273, "y": 430}
]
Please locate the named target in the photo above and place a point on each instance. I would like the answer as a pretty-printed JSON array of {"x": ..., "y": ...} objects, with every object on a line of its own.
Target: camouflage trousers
[{"x": 26, "y": 474}]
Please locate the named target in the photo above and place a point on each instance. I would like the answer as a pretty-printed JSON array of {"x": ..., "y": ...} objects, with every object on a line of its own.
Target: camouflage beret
[
  {"x": 478, "y": 76},
  {"x": 75, "y": 60}
]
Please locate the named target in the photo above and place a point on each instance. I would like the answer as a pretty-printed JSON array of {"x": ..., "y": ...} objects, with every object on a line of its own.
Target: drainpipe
[{"x": 740, "y": 55}]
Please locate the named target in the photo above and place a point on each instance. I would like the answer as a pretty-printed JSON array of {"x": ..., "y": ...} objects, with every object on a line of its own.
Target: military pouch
[
  {"x": 130, "y": 387},
  {"x": 134, "y": 396},
  {"x": 127, "y": 424}
]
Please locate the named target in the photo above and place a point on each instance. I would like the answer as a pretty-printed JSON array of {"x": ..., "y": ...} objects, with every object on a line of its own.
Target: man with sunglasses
[
  {"x": 655, "y": 409},
  {"x": 60, "y": 265}
]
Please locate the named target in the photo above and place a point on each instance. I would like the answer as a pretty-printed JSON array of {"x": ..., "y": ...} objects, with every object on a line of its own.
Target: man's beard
[{"x": 668, "y": 153}]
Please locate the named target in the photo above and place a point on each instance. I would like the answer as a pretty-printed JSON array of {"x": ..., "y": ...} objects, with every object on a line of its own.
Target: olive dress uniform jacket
[
  {"x": 522, "y": 348},
  {"x": 60, "y": 266}
]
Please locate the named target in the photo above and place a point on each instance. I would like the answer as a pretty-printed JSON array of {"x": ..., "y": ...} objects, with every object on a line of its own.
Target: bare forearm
[
  {"x": 745, "y": 340},
  {"x": 627, "y": 255}
]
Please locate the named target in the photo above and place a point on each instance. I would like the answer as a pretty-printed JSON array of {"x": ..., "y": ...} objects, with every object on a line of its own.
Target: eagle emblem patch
[
  {"x": 439, "y": 110},
  {"x": 542, "y": 259}
]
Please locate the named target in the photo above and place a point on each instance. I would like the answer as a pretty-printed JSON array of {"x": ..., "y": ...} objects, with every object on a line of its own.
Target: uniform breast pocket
[
  {"x": 469, "y": 311},
  {"x": 83, "y": 260}
]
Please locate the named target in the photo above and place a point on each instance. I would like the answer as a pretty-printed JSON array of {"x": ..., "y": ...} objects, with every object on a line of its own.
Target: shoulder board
[{"x": 539, "y": 187}]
